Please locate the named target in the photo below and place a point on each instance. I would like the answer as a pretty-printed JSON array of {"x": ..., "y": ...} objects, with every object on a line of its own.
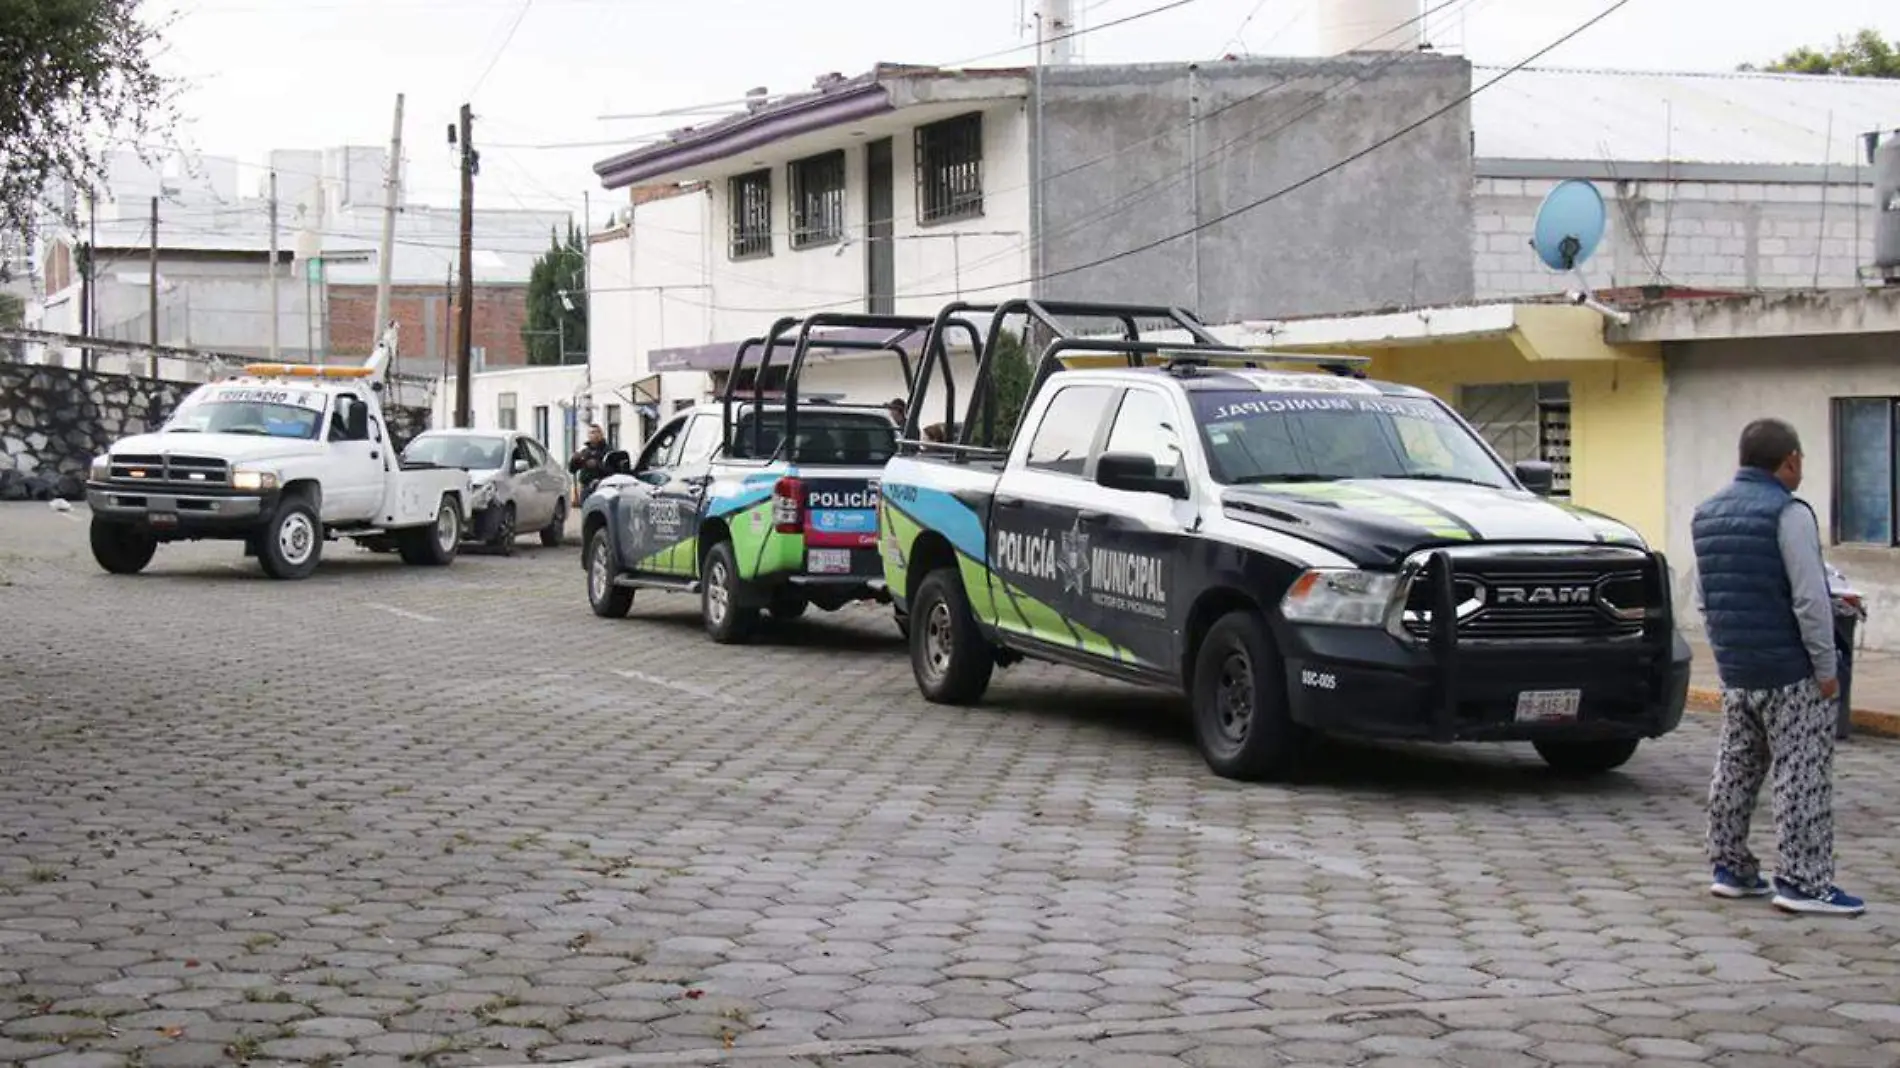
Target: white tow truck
[{"x": 282, "y": 458}]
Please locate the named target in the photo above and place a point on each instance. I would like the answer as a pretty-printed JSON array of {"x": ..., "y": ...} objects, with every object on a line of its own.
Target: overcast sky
[{"x": 314, "y": 73}]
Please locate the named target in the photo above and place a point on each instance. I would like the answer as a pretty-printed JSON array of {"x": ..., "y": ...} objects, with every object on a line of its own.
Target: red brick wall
[{"x": 500, "y": 313}]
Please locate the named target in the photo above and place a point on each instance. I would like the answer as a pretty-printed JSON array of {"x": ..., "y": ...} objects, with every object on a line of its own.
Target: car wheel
[
  {"x": 436, "y": 544},
  {"x": 788, "y": 605},
  {"x": 606, "y": 599},
  {"x": 556, "y": 531},
  {"x": 292, "y": 543},
  {"x": 950, "y": 657},
  {"x": 1592, "y": 757},
  {"x": 727, "y": 621},
  {"x": 1241, "y": 721},
  {"x": 503, "y": 541},
  {"x": 121, "y": 548}
]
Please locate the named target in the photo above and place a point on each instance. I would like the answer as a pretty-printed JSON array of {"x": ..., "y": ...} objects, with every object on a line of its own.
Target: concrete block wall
[{"x": 1730, "y": 235}]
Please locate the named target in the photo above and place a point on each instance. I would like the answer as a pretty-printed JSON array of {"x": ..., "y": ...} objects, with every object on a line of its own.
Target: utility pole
[
  {"x": 151, "y": 306},
  {"x": 273, "y": 266},
  {"x": 85, "y": 277},
  {"x": 385, "y": 254},
  {"x": 465, "y": 313}
]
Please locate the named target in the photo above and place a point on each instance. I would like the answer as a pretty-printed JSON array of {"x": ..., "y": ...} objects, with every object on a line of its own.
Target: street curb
[{"x": 1865, "y": 720}]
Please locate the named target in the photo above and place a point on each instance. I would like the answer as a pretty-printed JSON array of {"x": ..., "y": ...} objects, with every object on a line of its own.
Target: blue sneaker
[
  {"x": 1836, "y": 902},
  {"x": 1730, "y": 885}
]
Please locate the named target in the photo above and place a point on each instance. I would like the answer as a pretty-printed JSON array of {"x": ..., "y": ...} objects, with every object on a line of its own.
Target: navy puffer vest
[{"x": 1747, "y": 601}]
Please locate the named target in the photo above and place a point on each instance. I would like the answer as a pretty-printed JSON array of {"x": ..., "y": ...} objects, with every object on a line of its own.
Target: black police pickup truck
[{"x": 1297, "y": 552}]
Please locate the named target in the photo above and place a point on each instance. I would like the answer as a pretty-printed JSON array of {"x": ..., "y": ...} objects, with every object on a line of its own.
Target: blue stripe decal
[
  {"x": 942, "y": 512},
  {"x": 738, "y": 502}
]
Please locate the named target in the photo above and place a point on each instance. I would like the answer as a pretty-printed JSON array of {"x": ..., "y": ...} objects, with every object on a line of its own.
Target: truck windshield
[
  {"x": 1327, "y": 436},
  {"x": 277, "y": 413},
  {"x": 824, "y": 437},
  {"x": 456, "y": 450}
]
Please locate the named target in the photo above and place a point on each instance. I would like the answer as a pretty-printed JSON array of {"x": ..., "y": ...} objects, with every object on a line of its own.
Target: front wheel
[
  {"x": 121, "y": 548},
  {"x": 556, "y": 530},
  {"x": 609, "y": 601},
  {"x": 1241, "y": 721},
  {"x": 503, "y": 541},
  {"x": 293, "y": 542},
  {"x": 727, "y": 621},
  {"x": 1588, "y": 757},
  {"x": 436, "y": 544},
  {"x": 950, "y": 657}
]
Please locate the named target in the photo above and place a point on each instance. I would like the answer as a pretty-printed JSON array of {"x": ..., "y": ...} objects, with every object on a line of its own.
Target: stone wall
[{"x": 54, "y": 420}]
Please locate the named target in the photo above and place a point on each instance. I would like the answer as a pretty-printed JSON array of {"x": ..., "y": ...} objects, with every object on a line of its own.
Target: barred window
[
  {"x": 950, "y": 169},
  {"x": 751, "y": 211},
  {"x": 818, "y": 200}
]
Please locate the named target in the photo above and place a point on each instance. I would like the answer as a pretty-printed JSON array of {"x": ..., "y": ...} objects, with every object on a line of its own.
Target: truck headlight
[
  {"x": 101, "y": 469},
  {"x": 1339, "y": 597},
  {"x": 252, "y": 480}
]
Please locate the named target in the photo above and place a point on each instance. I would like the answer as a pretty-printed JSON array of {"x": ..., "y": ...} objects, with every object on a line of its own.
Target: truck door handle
[
  {"x": 374, "y": 455},
  {"x": 1009, "y": 502}
]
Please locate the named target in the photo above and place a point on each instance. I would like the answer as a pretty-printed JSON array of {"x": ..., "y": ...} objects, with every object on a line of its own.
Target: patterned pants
[{"x": 1789, "y": 732}]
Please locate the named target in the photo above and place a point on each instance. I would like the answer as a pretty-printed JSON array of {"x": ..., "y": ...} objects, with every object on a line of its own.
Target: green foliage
[
  {"x": 12, "y": 310},
  {"x": 1865, "y": 55},
  {"x": 75, "y": 71},
  {"x": 1010, "y": 378},
  {"x": 552, "y": 327}
]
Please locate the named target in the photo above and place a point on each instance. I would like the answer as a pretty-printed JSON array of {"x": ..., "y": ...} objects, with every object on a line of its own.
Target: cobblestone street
[{"x": 394, "y": 815}]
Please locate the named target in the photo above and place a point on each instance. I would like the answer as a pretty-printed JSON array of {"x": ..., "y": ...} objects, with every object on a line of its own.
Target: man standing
[
  {"x": 589, "y": 462},
  {"x": 1764, "y": 594}
]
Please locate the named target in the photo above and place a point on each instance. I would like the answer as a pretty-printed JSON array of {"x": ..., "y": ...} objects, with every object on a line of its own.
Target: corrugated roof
[{"x": 1653, "y": 116}]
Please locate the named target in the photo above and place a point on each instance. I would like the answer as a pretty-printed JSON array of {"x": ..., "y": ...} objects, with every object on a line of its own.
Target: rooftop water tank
[{"x": 1887, "y": 208}]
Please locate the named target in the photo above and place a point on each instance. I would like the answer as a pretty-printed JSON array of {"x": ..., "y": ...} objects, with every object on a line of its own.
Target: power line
[
  {"x": 520, "y": 16},
  {"x": 1072, "y": 34}
]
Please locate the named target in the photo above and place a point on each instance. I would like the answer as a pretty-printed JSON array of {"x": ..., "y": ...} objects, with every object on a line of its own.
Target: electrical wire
[
  {"x": 1073, "y": 34},
  {"x": 520, "y": 17}
]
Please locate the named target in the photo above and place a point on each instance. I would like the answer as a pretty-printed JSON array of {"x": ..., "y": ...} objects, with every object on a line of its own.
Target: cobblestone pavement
[{"x": 395, "y": 814}]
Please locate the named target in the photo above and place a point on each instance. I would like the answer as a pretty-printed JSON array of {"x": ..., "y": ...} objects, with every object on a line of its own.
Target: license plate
[
  {"x": 828, "y": 561},
  {"x": 164, "y": 520},
  {"x": 1548, "y": 706}
]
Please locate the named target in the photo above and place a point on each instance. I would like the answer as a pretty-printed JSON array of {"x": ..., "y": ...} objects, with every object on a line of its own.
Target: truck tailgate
[{"x": 841, "y": 507}]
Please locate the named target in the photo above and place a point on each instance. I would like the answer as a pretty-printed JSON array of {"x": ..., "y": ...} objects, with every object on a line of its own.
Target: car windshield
[
  {"x": 276, "y": 413},
  {"x": 457, "y": 450},
  {"x": 1326, "y": 436},
  {"x": 824, "y": 437}
]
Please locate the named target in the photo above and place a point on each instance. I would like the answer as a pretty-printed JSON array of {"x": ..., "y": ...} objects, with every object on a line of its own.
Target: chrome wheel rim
[
  {"x": 1233, "y": 697},
  {"x": 445, "y": 532},
  {"x": 938, "y": 640},
  {"x": 296, "y": 538},
  {"x": 597, "y": 577},
  {"x": 718, "y": 598}
]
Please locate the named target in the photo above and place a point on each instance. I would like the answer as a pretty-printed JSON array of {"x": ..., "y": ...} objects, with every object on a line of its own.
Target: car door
[
  {"x": 353, "y": 477},
  {"x": 641, "y": 548},
  {"x": 1038, "y": 553},
  {"x": 1134, "y": 538},
  {"x": 679, "y": 503},
  {"x": 549, "y": 477},
  {"x": 533, "y": 509}
]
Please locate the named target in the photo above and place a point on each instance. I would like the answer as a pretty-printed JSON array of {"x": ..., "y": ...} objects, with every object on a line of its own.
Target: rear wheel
[
  {"x": 120, "y": 548},
  {"x": 1241, "y": 721},
  {"x": 606, "y": 599},
  {"x": 436, "y": 544},
  {"x": 727, "y": 621},
  {"x": 292, "y": 544},
  {"x": 1588, "y": 757},
  {"x": 556, "y": 531},
  {"x": 950, "y": 657},
  {"x": 503, "y": 541}
]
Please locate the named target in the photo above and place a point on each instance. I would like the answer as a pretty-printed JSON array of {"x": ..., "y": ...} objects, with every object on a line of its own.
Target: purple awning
[{"x": 849, "y": 103}]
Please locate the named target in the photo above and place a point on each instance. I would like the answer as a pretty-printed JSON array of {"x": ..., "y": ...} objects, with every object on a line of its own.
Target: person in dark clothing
[
  {"x": 1763, "y": 589},
  {"x": 589, "y": 463}
]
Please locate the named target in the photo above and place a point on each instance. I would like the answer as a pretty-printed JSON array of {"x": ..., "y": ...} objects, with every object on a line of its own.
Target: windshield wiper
[
  {"x": 248, "y": 430},
  {"x": 1428, "y": 477},
  {"x": 178, "y": 430},
  {"x": 1292, "y": 476}
]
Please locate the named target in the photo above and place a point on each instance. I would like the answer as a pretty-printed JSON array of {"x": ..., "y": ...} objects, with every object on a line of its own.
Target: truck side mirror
[
  {"x": 617, "y": 463},
  {"x": 1537, "y": 476},
  {"x": 356, "y": 422},
  {"x": 1135, "y": 473}
]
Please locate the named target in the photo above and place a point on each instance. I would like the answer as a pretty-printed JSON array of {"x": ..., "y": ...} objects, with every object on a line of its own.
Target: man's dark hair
[{"x": 1767, "y": 444}]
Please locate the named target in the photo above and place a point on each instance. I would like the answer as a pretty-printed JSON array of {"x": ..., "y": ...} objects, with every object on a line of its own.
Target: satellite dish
[{"x": 1569, "y": 225}]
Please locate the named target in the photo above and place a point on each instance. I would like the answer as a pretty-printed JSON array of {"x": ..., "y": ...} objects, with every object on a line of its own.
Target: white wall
[
  {"x": 554, "y": 387},
  {"x": 1719, "y": 235}
]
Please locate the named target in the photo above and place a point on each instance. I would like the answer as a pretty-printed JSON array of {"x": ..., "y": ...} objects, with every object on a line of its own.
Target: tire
[
  {"x": 291, "y": 544},
  {"x": 503, "y": 540},
  {"x": 436, "y": 544},
  {"x": 120, "y": 548},
  {"x": 556, "y": 531},
  {"x": 949, "y": 656},
  {"x": 727, "y": 621},
  {"x": 1589, "y": 757},
  {"x": 606, "y": 599},
  {"x": 1241, "y": 721},
  {"x": 788, "y": 605}
]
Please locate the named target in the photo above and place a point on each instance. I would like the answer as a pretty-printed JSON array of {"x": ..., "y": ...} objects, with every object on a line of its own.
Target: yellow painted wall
[{"x": 1616, "y": 417}]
